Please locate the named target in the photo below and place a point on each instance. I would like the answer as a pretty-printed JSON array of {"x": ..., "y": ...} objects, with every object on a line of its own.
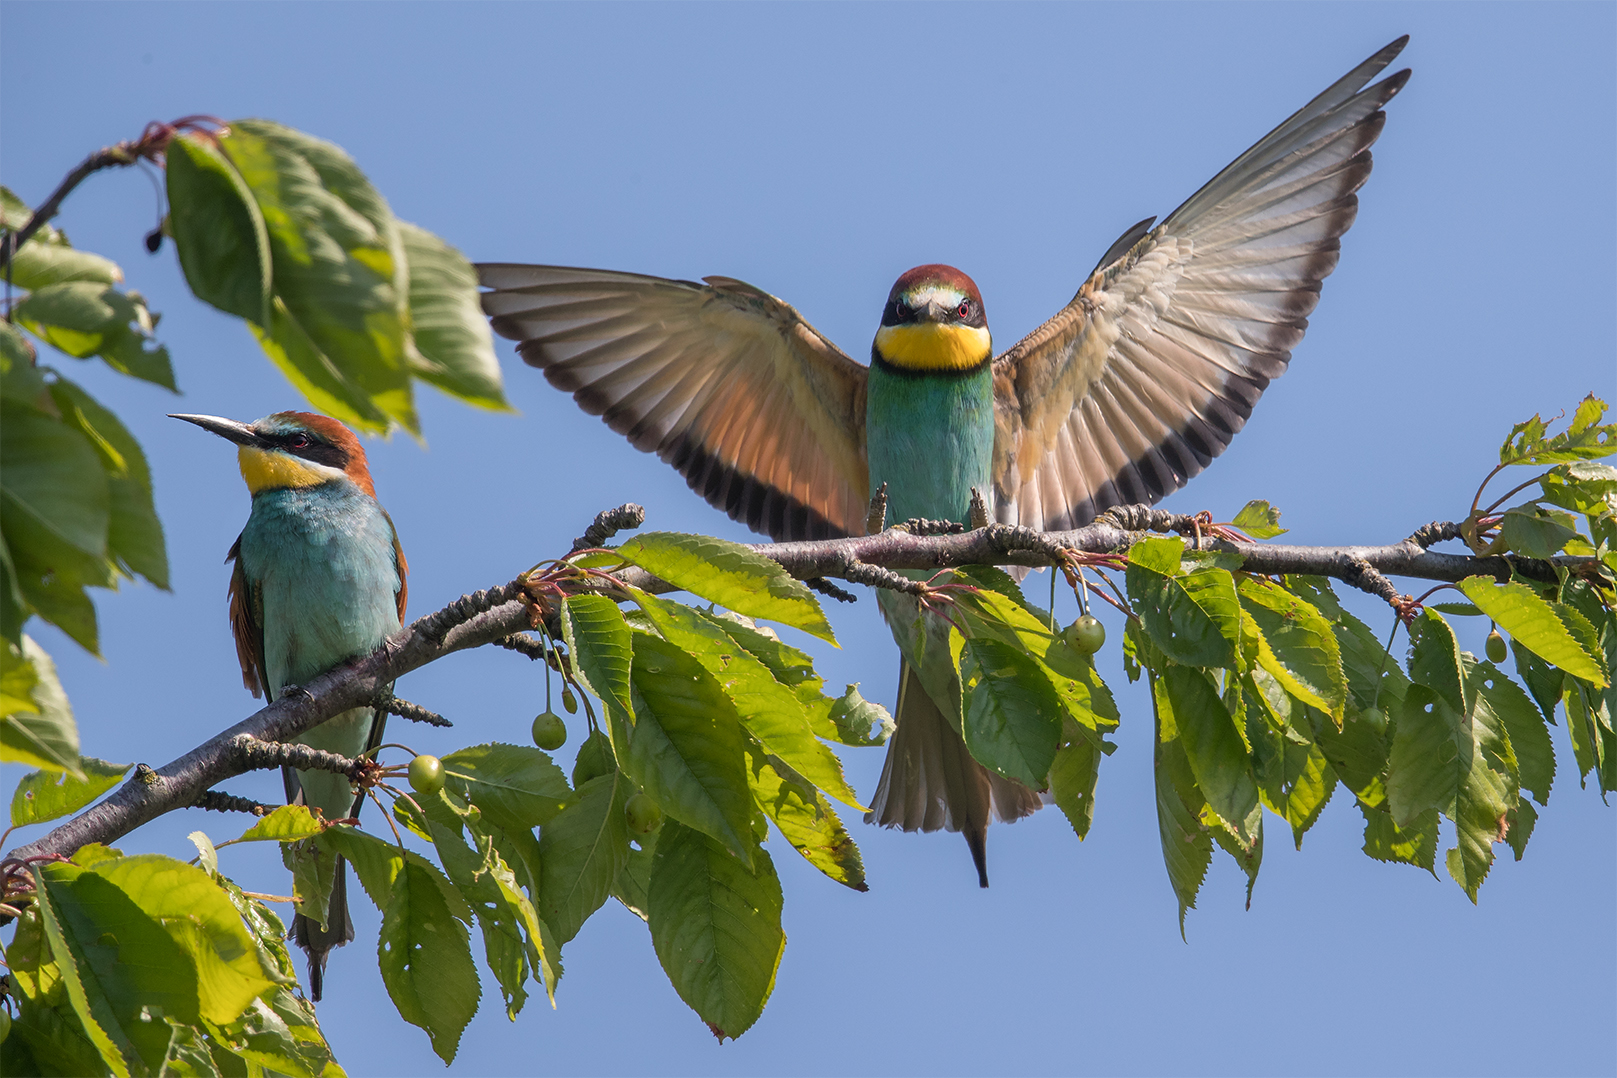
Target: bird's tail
[
  {"x": 930, "y": 781},
  {"x": 317, "y": 942}
]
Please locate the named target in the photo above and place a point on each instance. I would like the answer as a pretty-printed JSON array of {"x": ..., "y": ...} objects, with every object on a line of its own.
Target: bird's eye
[
  {"x": 901, "y": 309},
  {"x": 298, "y": 441},
  {"x": 964, "y": 310}
]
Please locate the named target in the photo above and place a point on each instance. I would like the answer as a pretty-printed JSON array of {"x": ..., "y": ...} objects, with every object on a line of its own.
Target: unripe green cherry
[
  {"x": 568, "y": 700},
  {"x": 1085, "y": 635},
  {"x": 1496, "y": 647},
  {"x": 642, "y": 814},
  {"x": 549, "y": 731},
  {"x": 5, "y": 1024},
  {"x": 1375, "y": 718},
  {"x": 426, "y": 775}
]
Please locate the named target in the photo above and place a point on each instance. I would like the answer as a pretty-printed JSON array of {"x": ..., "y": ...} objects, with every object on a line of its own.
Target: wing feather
[
  {"x": 1140, "y": 381},
  {"x": 762, "y": 415},
  {"x": 246, "y": 626}
]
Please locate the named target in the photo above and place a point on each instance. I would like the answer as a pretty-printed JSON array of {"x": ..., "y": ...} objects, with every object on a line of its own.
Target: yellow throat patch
[
  {"x": 265, "y": 470},
  {"x": 933, "y": 346}
]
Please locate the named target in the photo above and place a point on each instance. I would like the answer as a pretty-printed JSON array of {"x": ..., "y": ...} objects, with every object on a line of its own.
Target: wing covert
[
  {"x": 762, "y": 415},
  {"x": 1155, "y": 365}
]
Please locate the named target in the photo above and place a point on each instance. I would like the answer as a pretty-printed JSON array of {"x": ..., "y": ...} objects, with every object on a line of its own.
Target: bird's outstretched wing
[
  {"x": 1154, "y": 366},
  {"x": 762, "y": 415}
]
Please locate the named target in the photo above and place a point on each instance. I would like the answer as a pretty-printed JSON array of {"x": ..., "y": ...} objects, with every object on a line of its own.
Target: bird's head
[
  {"x": 292, "y": 449},
  {"x": 933, "y": 322}
]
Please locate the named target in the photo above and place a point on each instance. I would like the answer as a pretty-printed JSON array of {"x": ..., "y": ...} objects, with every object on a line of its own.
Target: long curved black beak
[{"x": 240, "y": 433}]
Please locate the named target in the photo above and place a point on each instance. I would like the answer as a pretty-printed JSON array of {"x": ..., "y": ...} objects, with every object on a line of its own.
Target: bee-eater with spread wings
[
  {"x": 1131, "y": 389},
  {"x": 319, "y": 579}
]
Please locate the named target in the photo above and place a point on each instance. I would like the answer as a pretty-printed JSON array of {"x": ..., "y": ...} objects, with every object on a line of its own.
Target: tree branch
[
  {"x": 122, "y": 153},
  {"x": 498, "y": 616}
]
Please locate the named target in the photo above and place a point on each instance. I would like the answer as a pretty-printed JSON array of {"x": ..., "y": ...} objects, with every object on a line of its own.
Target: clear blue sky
[{"x": 817, "y": 152}]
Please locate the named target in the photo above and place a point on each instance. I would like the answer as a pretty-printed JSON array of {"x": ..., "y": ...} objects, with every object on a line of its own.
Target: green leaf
[
  {"x": 134, "y": 533},
  {"x": 455, "y": 350},
  {"x": 1305, "y": 784},
  {"x": 1457, "y": 763},
  {"x": 426, "y": 960},
  {"x": 1374, "y": 679},
  {"x": 731, "y": 575},
  {"x": 86, "y": 318},
  {"x": 1187, "y": 847},
  {"x": 1069, "y": 673},
  {"x": 518, "y": 787},
  {"x": 688, "y": 750},
  {"x": 1297, "y": 646},
  {"x": 314, "y": 874},
  {"x": 1011, "y": 712},
  {"x": 581, "y": 851},
  {"x": 378, "y": 862},
  {"x": 1436, "y": 662},
  {"x": 1536, "y": 532},
  {"x": 200, "y": 918},
  {"x": 597, "y": 638},
  {"x": 791, "y": 666},
  {"x": 1524, "y": 725},
  {"x": 1486, "y": 796},
  {"x": 1583, "y": 487},
  {"x": 1357, "y": 754},
  {"x": 48, "y": 795},
  {"x": 289, "y": 823},
  {"x": 630, "y": 888},
  {"x": 53, "y": 481},
  {"x": 805, "y": 818},
  {"x": 1542, "y": 679},
  {"x": 40, "y": 732},
  {"x": 715, "y": 925},
  {"x": 1413, "y": 844},
  {"x": 47, "y": 258},
  {"x": 330, "y": 389},
  {"x": 502, "y": 912},
  {"x": 1158, "y": 554},
  {"x": 1073, "y": 776},
  {"x": 1523, "y": 818},
  {"x": 1212, "y": 744},
  {"x": 519, "y": 880},
  {"x": 339, "y": 268},
  {"x": 1584, "y": 439},
  {"x": 1424, "y": 766},
  {"x": 769, "y": 710},
  {"x": 1533, "y": 623},
  {"x": 1260, "y": 520},
  {"x": 55, "y": 509},
  {"x": 1195, "y": 618},
  {"x": 859, "y": 722},
  {"x": 218, "y": 232},
  {"x": 87, "y": 929}
]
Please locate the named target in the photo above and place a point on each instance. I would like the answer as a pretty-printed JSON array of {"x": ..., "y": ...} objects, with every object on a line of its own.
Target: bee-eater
[
  {"x": 319, "y": 580},
  {"x": 1127, "y": 392}
]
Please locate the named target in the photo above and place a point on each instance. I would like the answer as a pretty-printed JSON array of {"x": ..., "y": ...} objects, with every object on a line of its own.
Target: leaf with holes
[{"x": 426, "y": 960}]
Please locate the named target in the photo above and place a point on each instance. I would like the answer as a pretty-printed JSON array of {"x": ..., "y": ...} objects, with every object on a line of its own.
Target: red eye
[
  {"x": 298, "y": 441},
  {"x": 964, "y": 310}
]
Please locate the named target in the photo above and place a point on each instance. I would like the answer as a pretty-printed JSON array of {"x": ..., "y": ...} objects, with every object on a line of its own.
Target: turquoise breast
[
  {"x": 930, "y": 438},
  {"x": 321, "y": 559}
]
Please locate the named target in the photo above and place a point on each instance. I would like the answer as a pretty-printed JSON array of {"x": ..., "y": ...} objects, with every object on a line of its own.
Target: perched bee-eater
[
  {"x": 319, "y": 579},
  {"x": 1127, "y": 392}
]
